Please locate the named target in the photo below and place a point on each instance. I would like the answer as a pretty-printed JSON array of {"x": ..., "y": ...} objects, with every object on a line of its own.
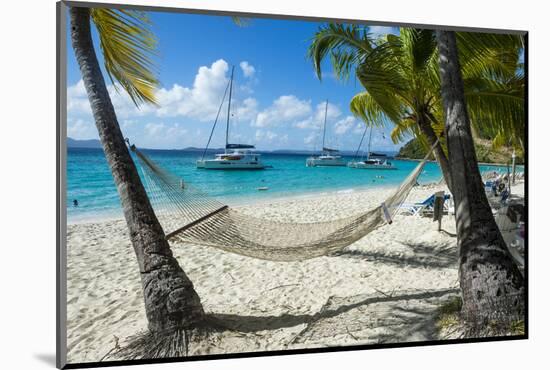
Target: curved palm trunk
[
  {"x": 492, "y": 285},
  {"x": 439, "y": 154},
  {"x": 170, "y": 300}
]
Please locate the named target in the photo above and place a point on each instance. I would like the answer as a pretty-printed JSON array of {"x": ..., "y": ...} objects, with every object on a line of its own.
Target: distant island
[
  {"x": 485, "y": 152},
  {"x": 96, "y": 144}
]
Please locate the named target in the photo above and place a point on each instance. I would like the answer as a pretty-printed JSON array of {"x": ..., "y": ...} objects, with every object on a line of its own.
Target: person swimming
[{"x": 75, "y": 202}]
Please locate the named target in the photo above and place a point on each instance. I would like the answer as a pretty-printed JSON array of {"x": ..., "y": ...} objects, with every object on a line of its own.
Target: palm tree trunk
[
  {"x": 439, "y": 153},
  {"x": 170, "y": 300},
  {"x": 492, "y": 285}
]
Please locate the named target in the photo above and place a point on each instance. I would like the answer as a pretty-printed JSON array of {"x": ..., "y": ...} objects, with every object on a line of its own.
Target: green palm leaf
[
  {"x": 128, "y": 48},
  {"x": 405, "y": 130},
  {"x": 400, "y": 74},
  {"x": 365, "y": 107},
  {"x": 346, "y": 44},
  {"x": 241, "y": 22},
  {"x": 489, "y": 55},
  {"x": 497, "y": 107}
]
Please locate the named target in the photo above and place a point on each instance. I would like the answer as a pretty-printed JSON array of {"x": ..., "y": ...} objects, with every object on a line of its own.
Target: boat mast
[
  {"x": 368, "y": 150},
  {"x": 215, "y": 122},
  {"x": 229, "y": 109},
  {"x": 325, "y": 125},
  {"x": 360, "y": 143}
]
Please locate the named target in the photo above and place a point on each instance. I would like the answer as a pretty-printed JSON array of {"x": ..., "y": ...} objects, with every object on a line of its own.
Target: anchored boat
[
  {"x": 374, "y": 161},
  {"x": 236, "y": 156},
  {"x": 328, "y": 157}
]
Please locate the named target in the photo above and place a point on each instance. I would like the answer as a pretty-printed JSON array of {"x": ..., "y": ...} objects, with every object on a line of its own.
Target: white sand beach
[{"x": 384, "y": 288}]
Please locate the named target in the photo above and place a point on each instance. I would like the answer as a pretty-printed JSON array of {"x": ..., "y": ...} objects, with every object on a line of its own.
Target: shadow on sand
[
  {"x": 399, "y": 310},
  {"x": 424, "y": 256}
]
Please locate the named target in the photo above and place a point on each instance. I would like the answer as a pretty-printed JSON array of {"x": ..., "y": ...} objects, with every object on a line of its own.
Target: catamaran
[
  {"x": 374, "y": 161},
  {"x": 236, "y": 156},
  {"x": 328, "y": 157}
]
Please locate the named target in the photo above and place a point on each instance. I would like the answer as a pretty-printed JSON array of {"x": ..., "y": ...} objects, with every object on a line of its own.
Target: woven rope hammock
[{"x": 189, "y": 216}]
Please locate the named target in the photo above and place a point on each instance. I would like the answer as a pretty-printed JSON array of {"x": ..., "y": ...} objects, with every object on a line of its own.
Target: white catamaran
[
  {"x": 374, "y": 161},
  {"x": 328, "y": 157},
  {"x": 236, "y": 156}
]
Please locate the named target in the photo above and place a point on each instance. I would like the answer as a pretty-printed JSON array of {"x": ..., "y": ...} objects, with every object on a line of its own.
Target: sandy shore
[{"x": 384, "y": 288}]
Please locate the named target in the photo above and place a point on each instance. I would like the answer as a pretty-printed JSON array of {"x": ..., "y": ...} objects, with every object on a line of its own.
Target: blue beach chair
[{"x": 420, "y": 208}]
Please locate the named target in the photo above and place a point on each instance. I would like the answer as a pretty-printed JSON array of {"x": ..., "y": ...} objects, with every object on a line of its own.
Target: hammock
[{"x": 191, "y": 217}]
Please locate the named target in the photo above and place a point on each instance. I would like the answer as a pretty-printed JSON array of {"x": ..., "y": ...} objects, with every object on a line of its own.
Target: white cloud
[
  {"x": 77, "y": 100},
  {"x": 81, "y": 129},
  {"x": 246, "y": 110},
  {"x": 285, "y": 109},
  {"x": 344, "y": 125},
  {"x": 359, "y": 128},
  {"x": 378, "y": 31},
  {"x": 311, "y": 138},
  {"x": 316, "y": 120},
  {"x": 270, "y": 137},
  {"x": 200, "y": 101},
  {"x": 248, "y": 69},
  {"x": 164, "y": 131},
  {"x": 176, "y": 131},
  {"x": 154, "y": 129},
  {"x": 164, "y": 135},
  {"x": 128, "y": 123}
]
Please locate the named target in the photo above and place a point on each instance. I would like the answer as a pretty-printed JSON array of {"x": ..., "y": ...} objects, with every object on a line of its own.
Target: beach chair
[
  {"x": 510, "y": 220},
  {"x": 423, "y": 208},
  {"x": 490, "y": 188}
]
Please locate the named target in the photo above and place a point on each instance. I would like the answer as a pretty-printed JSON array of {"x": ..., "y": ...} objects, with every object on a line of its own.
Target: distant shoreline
[
  {"x": 211, "y": 151},
  {"x": 479, "y": 163},
  {"x": 115, "y": 214}
]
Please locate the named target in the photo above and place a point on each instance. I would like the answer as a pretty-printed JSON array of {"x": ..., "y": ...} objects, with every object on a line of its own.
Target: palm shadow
[
  {"x": 425, "y": 256},
  {"x": 251, "y": 324}
]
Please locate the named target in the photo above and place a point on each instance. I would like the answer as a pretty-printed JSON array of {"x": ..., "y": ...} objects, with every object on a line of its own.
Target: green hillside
[{"x": 484, "y": 151}]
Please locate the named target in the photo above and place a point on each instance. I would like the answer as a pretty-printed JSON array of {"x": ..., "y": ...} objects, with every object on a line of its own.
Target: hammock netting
[{"x": 190, "y": 216}]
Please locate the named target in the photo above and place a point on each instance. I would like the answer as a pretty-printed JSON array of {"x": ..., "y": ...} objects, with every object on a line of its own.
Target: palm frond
[
  {"x": 129, "y": 48},
  {"x": 489, "y": 55},
  {"x": 403, "y": 130},
  {"x": 381, "y": 74},
  {"x": 363, "y": 106},
  {"x": 241, "y": 21},
  {"x": 497, "y": 108},
  {"x": 346, "y": 44},
  {"x": 419, "y": 45}
]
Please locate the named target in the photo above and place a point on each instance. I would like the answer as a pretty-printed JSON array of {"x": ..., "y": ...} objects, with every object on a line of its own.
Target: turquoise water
[{"x": 89, "y": 179}]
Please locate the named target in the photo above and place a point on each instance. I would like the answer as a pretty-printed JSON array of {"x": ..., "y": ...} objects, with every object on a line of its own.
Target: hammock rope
[{"x": 190, "y": 216}]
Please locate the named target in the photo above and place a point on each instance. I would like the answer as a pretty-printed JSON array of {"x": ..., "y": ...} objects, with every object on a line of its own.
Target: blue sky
[{"x": 278, "y": 101}]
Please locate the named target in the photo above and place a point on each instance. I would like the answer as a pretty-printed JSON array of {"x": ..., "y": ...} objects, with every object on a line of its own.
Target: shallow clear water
[{"x": 89, "y": 179}]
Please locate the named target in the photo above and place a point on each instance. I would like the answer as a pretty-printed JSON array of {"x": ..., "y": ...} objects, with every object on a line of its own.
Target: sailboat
[
  {"x": 328, "y": 157},
  {"x": 236, "y": 156},
  {"x": 374, "y": 161}
]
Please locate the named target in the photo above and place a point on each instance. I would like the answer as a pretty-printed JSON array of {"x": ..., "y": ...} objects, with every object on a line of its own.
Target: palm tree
[
  {"x": 492, "y": 285},
  {"x": 401, "y": 81},
  {"x": 171, "y": 302}
]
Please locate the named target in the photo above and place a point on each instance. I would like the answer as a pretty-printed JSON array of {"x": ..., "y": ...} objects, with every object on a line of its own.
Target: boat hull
[
  {"x": 364, "y": 166},
  {"x": 324, "y": 163},
  {"x": 229, "y": 165}
]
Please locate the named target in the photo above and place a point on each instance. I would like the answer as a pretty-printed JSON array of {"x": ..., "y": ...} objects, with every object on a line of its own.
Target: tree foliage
[
  {"x": 129, "y": 48},
  {"x": 401, "y": 80}
]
